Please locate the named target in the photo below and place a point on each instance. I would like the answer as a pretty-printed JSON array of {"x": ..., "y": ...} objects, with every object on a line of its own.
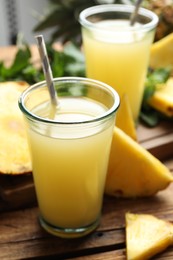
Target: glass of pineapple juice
[
  {"x": 116, "y": 52},
  {"x": 70, "y": 152}
]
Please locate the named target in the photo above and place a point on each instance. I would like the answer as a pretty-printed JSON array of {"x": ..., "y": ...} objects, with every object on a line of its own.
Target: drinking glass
[
  {"x": 116, "y": 52},
  {"x": 70, "y": 151}
]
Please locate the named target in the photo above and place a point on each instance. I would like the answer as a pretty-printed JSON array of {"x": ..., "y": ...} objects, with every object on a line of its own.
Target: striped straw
[
  {"x": 47, "y": 69},
  {"x": 135, "y": 12}
]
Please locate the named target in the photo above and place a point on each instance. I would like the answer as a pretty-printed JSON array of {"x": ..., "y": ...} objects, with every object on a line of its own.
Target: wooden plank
[
  {"x": 169, "y": 164},
  {"x": 158, "y": 140},
  {"x": 146, "y": 133},
  {"x": 22, "y": 237},
  {"x": 112, "y": 255},
  {"x": 160, "y": 147},
  {"x": 16, "y": 191},
  {"x": 121, "y": 255}
]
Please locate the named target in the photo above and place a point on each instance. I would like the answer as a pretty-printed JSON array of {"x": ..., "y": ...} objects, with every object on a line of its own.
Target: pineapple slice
[
  {"x": 162, "y": 52},
  {"x": 124, "y": 118},
  {"x": 132, "y": 170},
  {"x": 162, "y": 99},
  {"x": 14, "y": 152},
  {"x": 146, "y": 236}
]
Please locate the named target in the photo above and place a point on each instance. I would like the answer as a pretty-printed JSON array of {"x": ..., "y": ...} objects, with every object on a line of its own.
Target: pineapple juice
[
  {"x": 117, "y": 52},
  {"x": 70, "y": 169},
  {"x": 120, "y": 61}
]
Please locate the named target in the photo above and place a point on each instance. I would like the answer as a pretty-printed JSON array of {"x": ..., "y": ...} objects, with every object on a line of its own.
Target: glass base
[{"x": 68, "y": 232}]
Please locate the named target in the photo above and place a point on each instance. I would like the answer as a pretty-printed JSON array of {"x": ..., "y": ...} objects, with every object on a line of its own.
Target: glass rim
[
  {"x": 30, "y": 115},
  {"x": 117, "y": 8}
]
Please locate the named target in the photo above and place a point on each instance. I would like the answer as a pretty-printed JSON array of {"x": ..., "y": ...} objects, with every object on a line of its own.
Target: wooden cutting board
[
  {"x": 18, "y": 191},
  {"x": 157, "y": 140}
]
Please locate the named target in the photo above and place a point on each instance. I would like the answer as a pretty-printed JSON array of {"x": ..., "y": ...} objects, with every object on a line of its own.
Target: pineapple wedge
[
  {"x": 14, "y": 151},
  {"x": 162, "y": 52},
  {"x": 146, "y": 236},
  {"x": 132, "y": 170},
  {"x": 162, "y": 99},
  {"x": 124, "y": 118}
]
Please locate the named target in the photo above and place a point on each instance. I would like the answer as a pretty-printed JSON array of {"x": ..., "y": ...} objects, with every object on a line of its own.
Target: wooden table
[{"x": 21, "y": 236}]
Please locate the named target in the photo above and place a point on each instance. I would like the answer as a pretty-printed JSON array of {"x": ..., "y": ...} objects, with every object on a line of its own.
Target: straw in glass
[
  {"x": 48, "y": 74},
  {"x": 135, "y": 13}
]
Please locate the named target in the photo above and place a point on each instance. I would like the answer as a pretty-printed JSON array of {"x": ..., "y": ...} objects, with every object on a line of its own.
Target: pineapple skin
[
  {"x": 146, "y": 236},
  {"x": 132, "y": 170},
  {"x": 164, "y": 10}
]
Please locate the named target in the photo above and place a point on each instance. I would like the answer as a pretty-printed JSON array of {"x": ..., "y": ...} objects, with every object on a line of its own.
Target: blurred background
[{"x": 20, "y": 16}]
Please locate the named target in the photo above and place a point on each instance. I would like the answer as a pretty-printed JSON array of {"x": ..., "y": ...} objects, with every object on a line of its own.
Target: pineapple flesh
[
  {"x": 132, "y": 170},
  {"x": 14, "y": 151},
  {"x": 161, "y": 53},
  {"x": 162, "y": 99},
  {"x": 146, "y": 236},
  {"x": 124, "y": 118}
]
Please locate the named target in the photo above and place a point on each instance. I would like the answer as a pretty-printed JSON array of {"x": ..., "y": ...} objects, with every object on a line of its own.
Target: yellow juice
[
  {"x": 119, "y": 59},
  {"x": 70, "y": 168}
]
